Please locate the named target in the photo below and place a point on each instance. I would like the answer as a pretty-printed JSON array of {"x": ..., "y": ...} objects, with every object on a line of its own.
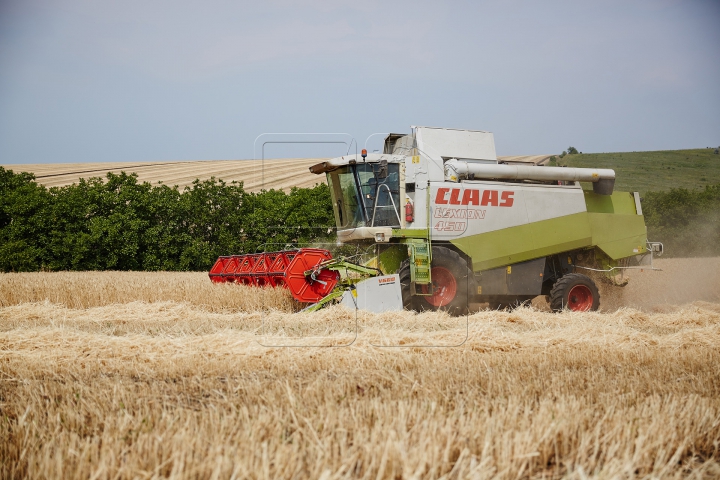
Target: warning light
[{"x": 363, "y": 153}]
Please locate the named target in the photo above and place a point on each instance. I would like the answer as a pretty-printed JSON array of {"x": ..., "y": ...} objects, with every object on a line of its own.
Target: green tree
[
  {"x": 119, "y": 223},
  {"x": 24, "y": 222},
  {"x": 686, "y": 221}
]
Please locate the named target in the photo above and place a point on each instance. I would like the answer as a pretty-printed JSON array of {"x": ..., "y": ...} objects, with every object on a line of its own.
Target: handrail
[{"x": 377, "y": 197}]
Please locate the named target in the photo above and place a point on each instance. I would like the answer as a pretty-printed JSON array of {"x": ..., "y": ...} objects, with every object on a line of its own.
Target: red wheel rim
[
  {"x": 580, "y": 298},
  {"x": 444, "y": 287}
]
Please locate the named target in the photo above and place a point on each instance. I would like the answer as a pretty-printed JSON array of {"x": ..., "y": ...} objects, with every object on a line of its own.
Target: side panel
[
  {"x": 618, "y": 202},
  {"x": 619, "y": 236},
  {"x": 471, "y": 208},
  {"x": 519, "y": 279},
  {"x": 448, "y": 142},
  {"x": 377, "y": 294},
  {"x": 526, "y": 242},
  {"x": 618, "y": 229},
  {"x": 417, "y": 190},
  {"x": 500, "y": 223}
]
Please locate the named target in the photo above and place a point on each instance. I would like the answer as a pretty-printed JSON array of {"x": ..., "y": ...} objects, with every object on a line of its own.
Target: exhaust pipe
[{"x": 603, "y": 179}]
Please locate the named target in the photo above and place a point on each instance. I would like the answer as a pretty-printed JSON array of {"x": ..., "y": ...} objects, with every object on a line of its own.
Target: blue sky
[{"x": 151, "y": 80}]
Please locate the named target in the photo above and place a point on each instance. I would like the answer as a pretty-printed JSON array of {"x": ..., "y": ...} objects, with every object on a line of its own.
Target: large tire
[
  {"x": 452, "y": 282},
  {"x": 576, "y": 292},
  {"x": 408, "y": 298}
]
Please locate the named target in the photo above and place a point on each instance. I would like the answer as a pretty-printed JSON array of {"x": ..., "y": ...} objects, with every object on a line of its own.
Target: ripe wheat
[{"x": 108, "y": 375}]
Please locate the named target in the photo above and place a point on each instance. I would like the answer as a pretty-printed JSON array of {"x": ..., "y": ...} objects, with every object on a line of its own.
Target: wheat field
[
  {"x": 256, "y": 175},
  {"x": 281, "y": 174},
  {"x": 148, "y": 375}
]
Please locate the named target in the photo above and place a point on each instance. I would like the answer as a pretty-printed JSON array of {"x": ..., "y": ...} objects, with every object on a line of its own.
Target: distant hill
[{"x": 654, "y": 171}]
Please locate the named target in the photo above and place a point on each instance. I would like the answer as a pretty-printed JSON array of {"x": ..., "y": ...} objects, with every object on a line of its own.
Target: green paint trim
[
  {"x": 525, "y": 242},
  {"x": 411, "y": 233},
  {"x": 620, "y": 248},
  {"x": 342, "y": 266},
  {"x": 608, "y": 228},
  {"x": 337, "y": 293},
  {"x": 420, "y": 255},
  {"x": 618, "y": 203},
  {"x": 391, "y": 256},
  {"x": 617, "y": 235}
]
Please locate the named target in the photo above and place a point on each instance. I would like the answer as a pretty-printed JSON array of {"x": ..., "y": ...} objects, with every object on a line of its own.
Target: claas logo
[{"x": 481, "y": 198}]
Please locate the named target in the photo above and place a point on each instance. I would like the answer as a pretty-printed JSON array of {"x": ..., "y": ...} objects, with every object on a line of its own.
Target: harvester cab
[{"x": 449, "y": 225}]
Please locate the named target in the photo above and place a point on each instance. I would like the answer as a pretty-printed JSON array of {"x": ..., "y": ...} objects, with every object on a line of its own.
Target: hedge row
[
  {"x": 686, "y": 221},
  {"x": 121, "y": 224}
]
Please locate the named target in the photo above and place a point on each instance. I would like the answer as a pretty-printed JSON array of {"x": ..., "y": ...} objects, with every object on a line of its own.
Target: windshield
[{"x": 362, "y": 199}]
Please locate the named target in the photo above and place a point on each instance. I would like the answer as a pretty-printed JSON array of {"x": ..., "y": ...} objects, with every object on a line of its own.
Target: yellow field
[
  {"x": 256, "y": 175},
  {"x": 279, "y": 174},
  {"x": 141, "y": 375}
]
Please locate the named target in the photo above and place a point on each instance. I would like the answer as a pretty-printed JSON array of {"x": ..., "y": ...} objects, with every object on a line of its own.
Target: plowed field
[{"x": 139, "y": 375}]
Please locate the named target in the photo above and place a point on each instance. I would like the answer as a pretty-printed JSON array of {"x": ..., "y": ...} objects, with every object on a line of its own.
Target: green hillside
[{"x": 654, "y": 171}]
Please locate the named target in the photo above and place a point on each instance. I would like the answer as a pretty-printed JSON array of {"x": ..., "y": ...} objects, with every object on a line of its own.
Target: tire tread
[
  {"x": 562, "y": 287},
  {"x": 451, "y": 259}
]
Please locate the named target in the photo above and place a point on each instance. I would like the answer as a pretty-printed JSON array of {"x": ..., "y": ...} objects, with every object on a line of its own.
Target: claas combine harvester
[{"x": 448, "y": 225}]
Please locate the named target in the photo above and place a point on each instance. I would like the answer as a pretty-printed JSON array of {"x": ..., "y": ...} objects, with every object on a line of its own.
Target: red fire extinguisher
[{"x": 409, "y": 217}]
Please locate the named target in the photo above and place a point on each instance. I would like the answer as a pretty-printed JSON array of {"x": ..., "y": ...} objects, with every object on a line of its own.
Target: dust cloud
[{"x": 679, "y": 281}]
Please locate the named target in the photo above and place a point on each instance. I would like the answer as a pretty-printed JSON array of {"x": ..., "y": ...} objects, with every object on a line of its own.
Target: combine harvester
[{"x": 448, "y": 225}]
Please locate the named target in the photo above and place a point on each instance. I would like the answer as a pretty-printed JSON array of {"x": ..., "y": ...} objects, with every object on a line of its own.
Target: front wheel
[
  {"x": 452, "y": 283},
  {"x": 576, "y": 292}
]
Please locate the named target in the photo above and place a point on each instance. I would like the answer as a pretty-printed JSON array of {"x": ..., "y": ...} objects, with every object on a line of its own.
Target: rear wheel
[
  {"x": 576, "y": 292},
  {"x": 452, "y": 281}
]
